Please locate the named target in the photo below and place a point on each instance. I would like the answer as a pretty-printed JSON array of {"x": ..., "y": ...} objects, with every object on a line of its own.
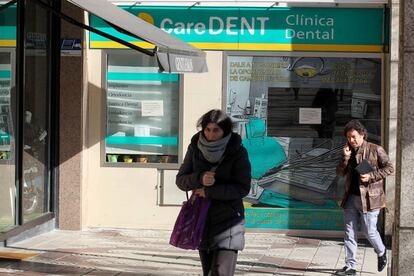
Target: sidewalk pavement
[{"x": 147, "y": 252}]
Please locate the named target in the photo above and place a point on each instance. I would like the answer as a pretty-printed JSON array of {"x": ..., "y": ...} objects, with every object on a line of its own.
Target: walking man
[{"x": 364, "y": 193}]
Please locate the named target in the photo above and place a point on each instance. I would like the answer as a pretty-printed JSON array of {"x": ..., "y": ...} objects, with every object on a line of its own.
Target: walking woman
[{"x": 216, "y": 166}]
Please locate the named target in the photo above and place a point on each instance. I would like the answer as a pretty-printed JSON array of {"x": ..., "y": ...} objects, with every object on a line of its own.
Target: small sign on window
[
  {"x": 152, "y": 108},
  {"x": 310, "y": 116}
]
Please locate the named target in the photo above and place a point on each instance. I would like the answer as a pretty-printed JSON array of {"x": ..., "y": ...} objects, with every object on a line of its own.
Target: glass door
[{"x": 36, "y": 184}]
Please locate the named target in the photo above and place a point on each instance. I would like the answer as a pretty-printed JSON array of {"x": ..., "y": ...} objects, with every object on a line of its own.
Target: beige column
[{"x": 403, "y": 238}]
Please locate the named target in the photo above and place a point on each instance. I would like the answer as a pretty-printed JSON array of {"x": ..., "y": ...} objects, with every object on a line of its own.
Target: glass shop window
[
  {"x": 7, "y": 137},
  {"x": 142, "y": 108},
  {"x": 305, "y": 96},
  {"x": 291, "y": 112},
  {"x": 5, "y": 96}
]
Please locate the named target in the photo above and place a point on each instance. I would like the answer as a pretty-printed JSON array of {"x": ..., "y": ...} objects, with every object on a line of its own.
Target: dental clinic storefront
[{"x": 289, "y": 76}]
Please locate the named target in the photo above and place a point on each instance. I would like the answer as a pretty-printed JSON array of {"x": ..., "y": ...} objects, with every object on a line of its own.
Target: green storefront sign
[
  {"x": 285, "y": 29},
  {"x": 8, "y": 27},
  {"x": 275, "y": 29}
]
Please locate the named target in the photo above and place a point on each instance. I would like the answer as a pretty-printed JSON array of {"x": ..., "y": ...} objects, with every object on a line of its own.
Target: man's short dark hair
[{"x": 358, "y": 126}]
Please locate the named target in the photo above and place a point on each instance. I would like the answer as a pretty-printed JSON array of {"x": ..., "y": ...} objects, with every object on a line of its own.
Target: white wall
[
  {"x": 202, "y": 92},
  {"x": 126, "y": 197}
]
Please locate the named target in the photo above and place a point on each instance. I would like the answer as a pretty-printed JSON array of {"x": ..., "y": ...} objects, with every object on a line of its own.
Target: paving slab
[{"x": 110, "y": 252}]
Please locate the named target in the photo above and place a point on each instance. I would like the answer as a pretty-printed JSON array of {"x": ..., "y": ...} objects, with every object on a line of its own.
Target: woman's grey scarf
[{"x": 212, "y": 151}]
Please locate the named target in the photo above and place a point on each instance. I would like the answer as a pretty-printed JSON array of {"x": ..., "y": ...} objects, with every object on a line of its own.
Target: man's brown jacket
[{"x": 372, "y": 192}]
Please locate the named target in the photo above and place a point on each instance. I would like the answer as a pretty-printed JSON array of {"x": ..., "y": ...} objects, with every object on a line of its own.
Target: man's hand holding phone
[{"x": 347, "y": 150}]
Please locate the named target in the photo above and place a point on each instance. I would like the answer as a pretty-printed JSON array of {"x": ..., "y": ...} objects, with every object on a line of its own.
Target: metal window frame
[
  {"x": 161, "y": 166},
  {"x": 54, "y": 108},
  {"x": 20, "y": 88}
]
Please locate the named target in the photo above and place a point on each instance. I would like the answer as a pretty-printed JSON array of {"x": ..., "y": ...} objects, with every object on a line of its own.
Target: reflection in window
[
  {"x": 7, "y": 122},
  {"x": 36, "y": 184},
  {"x": 290, "y": 112},
  {"x": 7, "y": 150},
  {"x": 281, "y": 89},
  {"x": 142, "y": 111}
]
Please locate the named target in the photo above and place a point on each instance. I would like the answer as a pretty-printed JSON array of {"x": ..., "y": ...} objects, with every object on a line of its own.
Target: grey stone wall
[
  {"x": 391, "y": 102},
  {"x": 403, "y": 237}
]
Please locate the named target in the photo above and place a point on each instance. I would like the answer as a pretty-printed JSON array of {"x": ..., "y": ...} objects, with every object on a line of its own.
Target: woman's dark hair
[
  {"x": 358, "y": 126},
  {"x": 218, "y": 117}
]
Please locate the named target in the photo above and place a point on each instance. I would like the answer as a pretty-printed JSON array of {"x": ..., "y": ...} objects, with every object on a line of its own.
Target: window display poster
[{"x": 303, "y": 103}]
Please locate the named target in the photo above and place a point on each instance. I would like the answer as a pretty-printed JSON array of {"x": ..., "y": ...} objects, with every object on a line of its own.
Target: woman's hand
[
  {"x": 208, "y": 178},
  {"x": 200, "y": 192}
]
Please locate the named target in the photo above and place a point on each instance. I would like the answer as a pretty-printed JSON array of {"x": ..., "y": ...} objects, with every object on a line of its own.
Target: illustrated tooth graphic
[{"x": 306, "y": 71}]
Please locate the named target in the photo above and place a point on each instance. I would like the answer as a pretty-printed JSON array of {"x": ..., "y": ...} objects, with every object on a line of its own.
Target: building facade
[
  {"x": 92, "y": 133},
  {"x": 290, "y": 76}
]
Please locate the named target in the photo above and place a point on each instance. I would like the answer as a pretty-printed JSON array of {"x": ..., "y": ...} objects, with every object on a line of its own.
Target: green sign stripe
[
  {"x": 7, "y": 33},
  {"x": 142, "y": 140},
  {"x": 127, "y": 76},
  {"x": 292, "y": 218},
  {"x": 5, "y": 74}
]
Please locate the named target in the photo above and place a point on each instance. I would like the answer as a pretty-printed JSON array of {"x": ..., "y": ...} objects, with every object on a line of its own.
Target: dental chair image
[
  {"x": 264, "y": 152},
  {"x": 266, "y": 155}
]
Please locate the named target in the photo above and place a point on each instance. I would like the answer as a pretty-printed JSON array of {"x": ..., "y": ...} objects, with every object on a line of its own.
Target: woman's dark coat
[{"x": 232, "y": 183}]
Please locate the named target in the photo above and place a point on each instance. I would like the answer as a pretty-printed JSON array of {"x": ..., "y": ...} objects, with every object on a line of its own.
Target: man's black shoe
[
  {"x": 346, "y": 271},
  {"x": 382, "y": 261}
]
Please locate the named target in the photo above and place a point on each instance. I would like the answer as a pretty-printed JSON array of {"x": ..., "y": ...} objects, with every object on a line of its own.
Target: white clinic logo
[{"x": 215, "y": 25}]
